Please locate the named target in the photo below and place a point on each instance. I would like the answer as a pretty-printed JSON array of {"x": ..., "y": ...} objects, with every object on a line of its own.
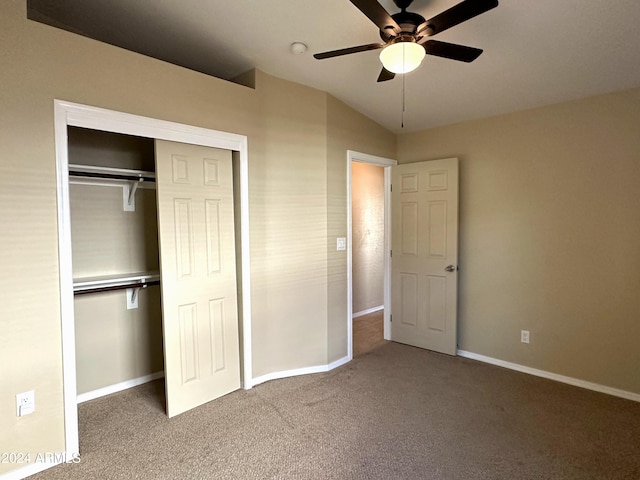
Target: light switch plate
[{"x": 341, "y": 244}]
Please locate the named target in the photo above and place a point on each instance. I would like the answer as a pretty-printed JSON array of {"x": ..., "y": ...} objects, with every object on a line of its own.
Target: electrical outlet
[
  {"x": 25, "y": 403},
  {"x": 524, "y": 336}
]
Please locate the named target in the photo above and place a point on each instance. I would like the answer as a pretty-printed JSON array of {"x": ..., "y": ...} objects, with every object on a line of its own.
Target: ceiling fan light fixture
[{"x": 402, "y": 57}]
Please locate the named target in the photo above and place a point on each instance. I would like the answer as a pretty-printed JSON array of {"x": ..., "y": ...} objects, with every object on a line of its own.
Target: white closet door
[{"x": 198, "y": 274}]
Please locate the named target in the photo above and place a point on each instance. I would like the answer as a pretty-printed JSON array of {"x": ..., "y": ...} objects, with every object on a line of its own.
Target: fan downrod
[{"x": 403, "y": 4}]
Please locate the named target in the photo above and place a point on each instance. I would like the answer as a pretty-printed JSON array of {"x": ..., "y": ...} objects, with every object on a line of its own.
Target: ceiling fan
[{"x": 406, "y": 35}]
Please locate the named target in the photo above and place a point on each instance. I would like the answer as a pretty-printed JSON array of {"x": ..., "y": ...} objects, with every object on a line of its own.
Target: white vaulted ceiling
[{"x": 535, "y": 52}]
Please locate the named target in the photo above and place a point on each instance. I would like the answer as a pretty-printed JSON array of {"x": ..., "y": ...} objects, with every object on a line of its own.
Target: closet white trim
[{"x": 72, "y": 114}]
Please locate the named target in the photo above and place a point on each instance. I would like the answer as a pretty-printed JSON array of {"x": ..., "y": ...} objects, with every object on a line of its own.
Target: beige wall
[
  {"x": 287, "y": 188},
  {"x": 114, "y": 344},
  {"x": 367, "y": 220},
  {"x": 297, "y": 203},
  {"x": 549, "y": 235}
]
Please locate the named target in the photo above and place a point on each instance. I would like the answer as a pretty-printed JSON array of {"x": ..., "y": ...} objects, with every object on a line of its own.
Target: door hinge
[
  {"x": 391, "y": 186},
  {"x": 391, "y": 253},
  {"x": 390, "y": 318}
]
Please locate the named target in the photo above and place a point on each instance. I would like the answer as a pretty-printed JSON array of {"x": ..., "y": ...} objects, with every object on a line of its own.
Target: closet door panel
[
  {"x": 183, "y": 221},
  {"x": 198, "y": 273},
  {"x": 214, "y": 254}
]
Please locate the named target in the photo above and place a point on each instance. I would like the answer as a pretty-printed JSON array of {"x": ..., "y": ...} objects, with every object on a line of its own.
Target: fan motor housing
[{"x": 408, "y": 22}]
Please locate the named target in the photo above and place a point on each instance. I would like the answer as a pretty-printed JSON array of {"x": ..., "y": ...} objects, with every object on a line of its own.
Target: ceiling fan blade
[
  {"x": 452, "y": 51},
  {"x": 347, "y": 51},
  {"x": 385, "y": 75},
  {"x": 457, "y": 14},
  {"x": 377, "y": 14}
]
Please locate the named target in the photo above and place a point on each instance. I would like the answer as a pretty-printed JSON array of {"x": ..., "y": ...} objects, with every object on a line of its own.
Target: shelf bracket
[
  {"x": 133, "y": 296},
  {"x": 129, "y": 195}
]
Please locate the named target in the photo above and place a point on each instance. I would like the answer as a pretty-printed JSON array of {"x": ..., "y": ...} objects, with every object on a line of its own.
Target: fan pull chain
[{"x": 403, "y": 102}]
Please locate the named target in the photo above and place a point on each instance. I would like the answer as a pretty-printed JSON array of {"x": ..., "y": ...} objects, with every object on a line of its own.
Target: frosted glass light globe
[{"x": 402, "y": 57}]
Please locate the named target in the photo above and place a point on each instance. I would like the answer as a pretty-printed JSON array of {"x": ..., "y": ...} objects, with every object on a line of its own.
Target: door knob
[{"x": 450, "y": 268}]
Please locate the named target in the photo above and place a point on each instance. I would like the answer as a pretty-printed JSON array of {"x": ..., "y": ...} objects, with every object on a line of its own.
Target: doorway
[
  {"x": 370, "y": 308},
  {"x": 74, "y": 115},
  {"x": 367, "y": 226}
]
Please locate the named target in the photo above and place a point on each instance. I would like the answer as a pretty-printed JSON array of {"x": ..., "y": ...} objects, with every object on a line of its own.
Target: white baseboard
[
  {"x": 339, "y": 363},
  {"x": 118, "y": 387},
  {"x": 552, "y": 376},
  {"x": 300, "y": 371},
  {"x": 367, "y": 311}
]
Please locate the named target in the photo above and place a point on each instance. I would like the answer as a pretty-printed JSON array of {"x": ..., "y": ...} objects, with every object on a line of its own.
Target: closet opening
[
  {"x": 141, "y": 204},
  {"x": 115, "y": 262}
]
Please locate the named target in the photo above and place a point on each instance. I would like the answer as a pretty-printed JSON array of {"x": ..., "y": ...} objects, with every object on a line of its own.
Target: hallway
[{"x": 368, "y": 332}]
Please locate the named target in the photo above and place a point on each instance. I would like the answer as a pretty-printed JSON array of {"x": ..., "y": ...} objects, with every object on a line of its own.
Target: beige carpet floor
[{"x": 395, "y": 412}]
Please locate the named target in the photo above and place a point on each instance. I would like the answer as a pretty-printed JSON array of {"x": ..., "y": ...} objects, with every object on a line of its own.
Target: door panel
[
  {"x": 424, "y": 242},
  {"x": 197, "y": 255}
]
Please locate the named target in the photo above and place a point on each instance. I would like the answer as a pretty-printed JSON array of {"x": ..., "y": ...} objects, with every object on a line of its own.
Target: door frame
[
  {"x": 386, "y": 164},
  {"x": 73, "y": 114}
]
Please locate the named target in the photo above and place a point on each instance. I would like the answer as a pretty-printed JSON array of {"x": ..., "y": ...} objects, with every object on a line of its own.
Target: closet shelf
[
  {"x": 115, "y": 282},
  {"x": 129, "y": 180},
  {"x": 110, "y": 173}
]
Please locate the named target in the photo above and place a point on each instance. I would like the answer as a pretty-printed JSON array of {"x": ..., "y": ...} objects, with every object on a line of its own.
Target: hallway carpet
[{"x": 368, "y": 331}]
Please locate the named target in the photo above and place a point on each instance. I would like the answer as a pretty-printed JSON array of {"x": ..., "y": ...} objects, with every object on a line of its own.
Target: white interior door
[
  {"x": 425, "y": 254},
  {"x": 198, "y": 273}
]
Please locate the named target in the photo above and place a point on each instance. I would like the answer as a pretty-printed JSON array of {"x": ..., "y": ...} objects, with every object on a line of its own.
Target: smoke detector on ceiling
[{"x": 298, "y": 47}]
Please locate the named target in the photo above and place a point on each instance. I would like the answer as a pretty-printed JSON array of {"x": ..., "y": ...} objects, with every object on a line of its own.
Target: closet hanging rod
[
  {"x": 97, "y": 171},
  {"x": 99, "y": 289},
  {"x": 114, "y": 176}
]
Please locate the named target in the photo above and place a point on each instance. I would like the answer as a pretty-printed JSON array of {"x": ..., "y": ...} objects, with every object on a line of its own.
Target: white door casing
[
  {"x": 198, "y": 273},
  {"x": 425, "y": 254}
]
